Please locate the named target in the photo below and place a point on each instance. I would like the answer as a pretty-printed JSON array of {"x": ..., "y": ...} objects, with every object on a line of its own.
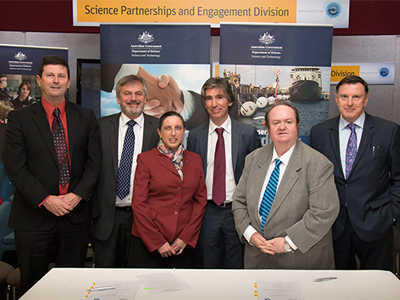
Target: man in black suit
[
  {"x": 365, "y": 151},
  {"x": 219, "y": 243},
  {"x": 51, "y": 210},
  {"x": 112, "y": 225}
]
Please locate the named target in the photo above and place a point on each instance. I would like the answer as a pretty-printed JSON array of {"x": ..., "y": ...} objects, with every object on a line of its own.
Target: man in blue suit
[
  {"x": 365, "y": 151},
  {"x": 219, "y": 243}
]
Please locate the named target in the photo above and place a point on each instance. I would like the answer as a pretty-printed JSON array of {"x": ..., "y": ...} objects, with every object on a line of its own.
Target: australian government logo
[
  {"x": 20, "y": 63},
  {"x": 267, "y": 49},
  {"x": 145, "y": 49},
  {"x": 145, "y": 37},
  {"x": 20, "y": 56},
  {"x": 266, "y": 39}
]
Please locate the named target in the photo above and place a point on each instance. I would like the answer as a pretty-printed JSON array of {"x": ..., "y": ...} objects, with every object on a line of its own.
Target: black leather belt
[{"x": 223, "y": 205}]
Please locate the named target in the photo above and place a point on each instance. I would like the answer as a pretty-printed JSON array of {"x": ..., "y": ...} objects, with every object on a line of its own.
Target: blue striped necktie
[
  {"x": 269, "y": 194},
  {"x": 125, "y": 164}
]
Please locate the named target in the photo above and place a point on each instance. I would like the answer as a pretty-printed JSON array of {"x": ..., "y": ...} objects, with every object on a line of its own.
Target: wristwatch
[{"x": 288, "y": 249}]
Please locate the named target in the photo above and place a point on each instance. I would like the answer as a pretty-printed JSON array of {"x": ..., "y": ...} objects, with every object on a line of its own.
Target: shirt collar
[
  {"x": 227, "y": 126},
  {"x": 49, "y": 108},
  {"x": 359, "y": 122},
  {"x": 123, "y": 119},
  {"x": 285, "y": 157}
]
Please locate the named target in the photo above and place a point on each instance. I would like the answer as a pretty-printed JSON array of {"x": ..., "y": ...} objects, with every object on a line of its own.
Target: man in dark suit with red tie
[
  {"x": 52, "y": 156},
  {"x": 219, "y": 243},
  {"x": 365, "y": 151}
]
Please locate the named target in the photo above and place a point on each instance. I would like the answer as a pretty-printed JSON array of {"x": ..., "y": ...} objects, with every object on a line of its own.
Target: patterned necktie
[
  {"x": 60, "y": 144},
  {"x": 269, "y": 194},
  {"x": 219, "y": 190},
  {"x": 351, "y": 150},
  {"x": 125, "y": 164}
]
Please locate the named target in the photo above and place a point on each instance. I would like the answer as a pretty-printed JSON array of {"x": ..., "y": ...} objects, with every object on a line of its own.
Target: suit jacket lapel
[
  {"x": 147, "y": 133},
  {"x": 368, "y": 131},
  {"x": 235, "y": 143},
  {"x": 288, "y": 180},
  {"x": 334, "y": 137},
  {"x": 166, "y": 162},
  {"x": 113, "y": 133},
  {"x": 40, "y": 119},
  {"x": 264, "y": 159},
  {"x": 203, "y": 144},
  {"x": 186, "y": 163},
  {"x": 72, "y": 121}
]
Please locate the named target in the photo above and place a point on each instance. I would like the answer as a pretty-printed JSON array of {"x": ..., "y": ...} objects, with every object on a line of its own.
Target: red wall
[{"x": 366, "y": 17}]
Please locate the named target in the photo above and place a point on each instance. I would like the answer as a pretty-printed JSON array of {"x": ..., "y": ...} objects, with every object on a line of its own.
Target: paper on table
[
  {"x": 163, "y": 282},
  {"x": 279, "y": 290},
  {"x": 123, "y": 290}
]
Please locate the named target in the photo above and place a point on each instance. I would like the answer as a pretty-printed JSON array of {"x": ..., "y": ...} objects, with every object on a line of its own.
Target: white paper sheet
[
  {"x": 124, "y": 290},
  {"x": 279, "y": 290},
  {"x": 163, "y": 282}
]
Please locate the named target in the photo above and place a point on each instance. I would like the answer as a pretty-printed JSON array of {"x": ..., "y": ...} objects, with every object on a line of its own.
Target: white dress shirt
[
  {"x": 250, "y": 230},
  {"x": 212, "y": 142},
  {"x": 138, "y": 130}
]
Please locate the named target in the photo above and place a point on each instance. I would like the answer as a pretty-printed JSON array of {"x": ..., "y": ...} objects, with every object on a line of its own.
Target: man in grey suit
[
  {"x": 113, "y": 223},
  {"x": 286, "y": 201},
  {"x": 219, "y": 244},
  {"x": 369, "y": 185}
]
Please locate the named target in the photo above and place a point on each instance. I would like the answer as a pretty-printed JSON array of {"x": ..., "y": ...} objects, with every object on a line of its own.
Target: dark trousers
[
  {"x": 67, "y": 243},
  {"x": 219, "y": 243},
  {"x": 376, "y": 255},
  {"x": 142, "y": 258},
  {"x": 114, "y": 252}
]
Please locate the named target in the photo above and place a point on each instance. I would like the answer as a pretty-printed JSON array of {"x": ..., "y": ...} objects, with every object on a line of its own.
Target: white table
[{"x": 71, "y": 284}]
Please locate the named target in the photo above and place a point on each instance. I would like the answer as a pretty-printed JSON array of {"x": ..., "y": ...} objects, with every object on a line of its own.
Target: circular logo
[
  {"x": 384, "y": 72},
  {"x": 333, "y": 9}
]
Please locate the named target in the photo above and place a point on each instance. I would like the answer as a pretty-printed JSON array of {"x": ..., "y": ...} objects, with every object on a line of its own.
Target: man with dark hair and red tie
[
  {"x": 52, "y": 156},
  {"x": 365, "y": 151},
  {"x": 223, "y": 144}
]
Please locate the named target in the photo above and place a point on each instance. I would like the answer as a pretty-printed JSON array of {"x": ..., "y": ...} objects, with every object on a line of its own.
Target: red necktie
[
  {"x": 219, "y": 189},
  {"x": 61, "y": 148}
]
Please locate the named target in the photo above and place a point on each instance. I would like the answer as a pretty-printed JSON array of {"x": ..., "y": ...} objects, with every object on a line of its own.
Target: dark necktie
[
  {"x": 219, "y": 189},
  {"x": 269, "y": 194},
  {"x": 125, "y": 164},
  {"x": 351, "y": 150},
  {"x": 60, "y": 144}
]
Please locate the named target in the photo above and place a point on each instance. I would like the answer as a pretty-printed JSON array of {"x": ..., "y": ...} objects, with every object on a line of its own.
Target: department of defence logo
[
  {"x": 333, "y": 9},
  {"x": 266, "y": 39},
  {"x": 384, "y": 72},
  {"x": 146, "y": 37},
  {"x": 20, "y": 56}
]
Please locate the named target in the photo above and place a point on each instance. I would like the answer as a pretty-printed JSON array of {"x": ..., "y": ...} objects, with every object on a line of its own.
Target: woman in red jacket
[{"x": 169, "y": 198}]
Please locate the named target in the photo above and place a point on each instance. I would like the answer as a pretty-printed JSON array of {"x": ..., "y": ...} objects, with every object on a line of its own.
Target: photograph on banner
[
  {"x": 173, "y": 59},
  {"x": 257, "y": 87},
  {"x": 18, "y": 88},
  {"x": 278, "y": 62},
  {"x": 19, "y": 67},
  {"x": 181, "y": 92},
  {"x": 16, "y": 91}
]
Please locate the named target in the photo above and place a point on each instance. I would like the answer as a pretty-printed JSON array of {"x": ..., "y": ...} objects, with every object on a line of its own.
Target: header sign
[{"x": 94, "y": 12}]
